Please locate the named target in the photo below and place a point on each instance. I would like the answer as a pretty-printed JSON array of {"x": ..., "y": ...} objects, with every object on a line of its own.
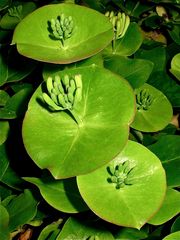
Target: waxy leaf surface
[
  {"x": 56, "y": 142},
  {"x": 42, "y": 47},
  {"x": 173, "y": 236},
  {"x": 60, "y": 194},
  {"x": 131, "y": 205},
  {"x": 157, "y": 116}
]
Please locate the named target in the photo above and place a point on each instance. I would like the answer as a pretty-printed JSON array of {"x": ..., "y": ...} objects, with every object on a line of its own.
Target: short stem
[{"x": 76, "y": 117}]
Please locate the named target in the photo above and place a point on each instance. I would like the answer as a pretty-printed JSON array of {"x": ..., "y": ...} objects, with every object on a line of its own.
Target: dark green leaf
[{"x": 168, "y": 151}]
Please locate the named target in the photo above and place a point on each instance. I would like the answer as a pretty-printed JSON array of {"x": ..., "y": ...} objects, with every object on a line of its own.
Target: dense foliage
[{"x": 89, "y": 108}]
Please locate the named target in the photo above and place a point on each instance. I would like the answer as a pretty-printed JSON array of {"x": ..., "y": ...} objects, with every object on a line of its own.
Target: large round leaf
[
  {"x": 85, "y": 39},
  {"x": 138, "y": 200},
  {"x": 173, "y": 236},
  {"x": 154, "y": 111},
  {"x": 56, "y": 142},
  {"x": 60, "y": 194},
  {"x": 175, "y": 66}
]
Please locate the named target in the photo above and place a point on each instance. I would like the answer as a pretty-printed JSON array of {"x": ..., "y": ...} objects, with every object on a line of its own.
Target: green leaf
[
  {"x": 43, "y": 47},
  {"x": 21, "y": 210},
  {"x": 169, "y": 209},
  {"x": 176, "y": 225},
  {"x": 3, "y": 70},
  {"x": 154, "y": 111},
  {"x": 4, "y": 97},
  {"x": 173, "y": 236},
  {"x": 55, "y": 141},
  {"x": 9, "y": 22},
  {"x": 133, "y": 203},
  {"x": 50, "y": 232},
  {"x": 4, "y": 162},
  {"x": 16, "y": 105},
  {"x": 175, "y": 66},
  {"x": 167, "y": 149},
  {"x": 79, "y": 229},
  {"x": 136, "y": 71},
  {"x": 66, "y": 190},
  {"x": 4, "y": 129},
  {"x": 4, "y": 221},
  {"x": 130, "y": 43},
  {"x": 130, "y": 233}
]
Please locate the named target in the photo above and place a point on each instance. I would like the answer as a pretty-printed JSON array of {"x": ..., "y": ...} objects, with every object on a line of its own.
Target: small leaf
[
  {"x": 175, "y": 66},
  {"x": 4, "y": 130},
  {"x": 136, "y": 71},
  {"x": 21, "y": 210},
  {"x": 154, "y": 111},
  {"x": 66, "y": 190},
  {"x": 79, "y": 229},
  {"x": 4, "y": 97},
  {"x": 173, "y": 236},
  {"x": 169, "y": 208},
  {"x": 50, "y": 232},
  {"x": 3, "y": 69},
  {"x": 176, "y": 225},
  {"x": 4, "y": 221}
]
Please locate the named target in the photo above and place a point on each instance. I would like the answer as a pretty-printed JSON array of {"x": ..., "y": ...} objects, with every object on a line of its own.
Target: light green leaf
[
  {"x": 60, "y": 194},
  {"x": 137, "y": 193},
  {"x": 173, "y": 236},
  {"x": 136, "y": 71},
  {"x": 175, "y": 66},
  {"x": 44, "y": 47},
  {"x": 55, "y": 141},
  {"x": 154, "y": 111},
  {"x": 130, "y": 233},
  {"x": 169, "y": 209},
  {"x": 168, "y": 151}
]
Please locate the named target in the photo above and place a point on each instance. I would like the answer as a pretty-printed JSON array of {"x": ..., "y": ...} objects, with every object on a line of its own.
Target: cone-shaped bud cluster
[
  {"x": 61, "y": 28},
  {"x": 144, "y": 100},
  {"x": 63, "y": 93},
  {"x": 120, "y": 22},
  {"x": 120, "y": 174},
  {"x": 15, "y": 11}
]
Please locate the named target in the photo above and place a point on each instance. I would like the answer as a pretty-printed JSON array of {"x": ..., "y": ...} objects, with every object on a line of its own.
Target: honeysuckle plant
[{"x": 89, "y": 120}]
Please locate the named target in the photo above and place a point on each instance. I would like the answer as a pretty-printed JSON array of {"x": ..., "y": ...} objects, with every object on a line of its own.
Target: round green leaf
[
  {"x": 60, "y": 194},
  {"x": 154, "y": 111},
  {"x": 175, "y": 66},
  {"x": 168, "y": 151},
  {"x": 134, "y": 203},
  {"x": 56, "y": 142},
  {"x": 85, "y": 40},
  {"x": 169, "y": 209},
  {"x": 173, "y": 236},
  {"x": 75, "y": 229},
  {"x": 136, "y": 71}
]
